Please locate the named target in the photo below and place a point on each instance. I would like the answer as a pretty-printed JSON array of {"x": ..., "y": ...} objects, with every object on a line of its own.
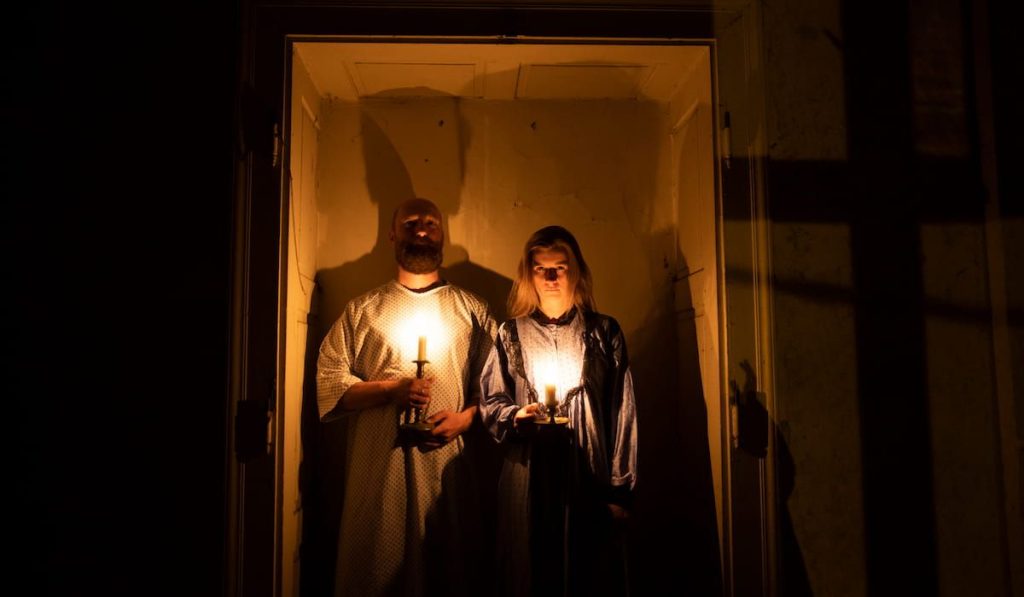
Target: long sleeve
[
  {"x": 498, "y": 406},
  {"x": 624, "y": 449},
  {"x": 480, "y": 350},
  {"x": 334, "y": 374},
  {"x": 624, "y": 454}
]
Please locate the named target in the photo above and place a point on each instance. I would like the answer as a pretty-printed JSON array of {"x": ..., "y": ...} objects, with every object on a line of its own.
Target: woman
[{"x": 564, "y": 491}]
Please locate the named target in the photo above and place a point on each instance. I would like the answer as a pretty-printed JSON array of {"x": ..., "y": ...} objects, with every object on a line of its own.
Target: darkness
[{"x": 119, "y": 245}]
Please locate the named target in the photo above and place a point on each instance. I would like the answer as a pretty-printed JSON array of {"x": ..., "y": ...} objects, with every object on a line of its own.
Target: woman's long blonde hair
[{"x": 523, "y": 299}]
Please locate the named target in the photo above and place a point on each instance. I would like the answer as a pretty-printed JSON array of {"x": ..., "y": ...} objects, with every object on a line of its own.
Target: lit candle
[
  {"x": 550, "y": 400},
  {"x": 422, "y": 353}
]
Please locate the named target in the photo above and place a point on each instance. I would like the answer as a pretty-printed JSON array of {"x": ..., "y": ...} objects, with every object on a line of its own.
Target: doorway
[
  {"x": 612, "y": 140},
  {"x": 515, "y": 127}
]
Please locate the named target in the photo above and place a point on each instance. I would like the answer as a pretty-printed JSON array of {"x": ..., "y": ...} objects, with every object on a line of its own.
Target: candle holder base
[
  {"x": 415, "y": 433},
  {"x": 557, "y": 422},
  {"x": 420, "y": 426}
]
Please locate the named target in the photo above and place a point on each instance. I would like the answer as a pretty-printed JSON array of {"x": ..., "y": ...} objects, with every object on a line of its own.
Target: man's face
[{"x": 418, "y": 237}]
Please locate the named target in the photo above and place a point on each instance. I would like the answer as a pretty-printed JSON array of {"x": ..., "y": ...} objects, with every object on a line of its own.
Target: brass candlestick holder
[
  {"x": 414, "y": 422},
  {"x": 552, "y": 421}
]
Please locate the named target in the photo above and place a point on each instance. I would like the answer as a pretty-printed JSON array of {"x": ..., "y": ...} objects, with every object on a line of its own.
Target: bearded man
[{"x": 409, "y": 522}]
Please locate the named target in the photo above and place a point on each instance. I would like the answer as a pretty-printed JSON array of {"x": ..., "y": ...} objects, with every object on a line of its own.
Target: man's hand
[
  {"x": 449, "y": 425},
  {"x": 412, "y": 392}
]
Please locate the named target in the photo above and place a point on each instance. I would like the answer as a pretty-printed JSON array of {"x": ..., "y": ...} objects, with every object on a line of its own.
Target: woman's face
[{"x": 551, "y": 278}]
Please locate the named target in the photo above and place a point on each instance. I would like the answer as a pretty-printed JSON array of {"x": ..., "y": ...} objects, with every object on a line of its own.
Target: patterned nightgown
[{"x": 408, "y": 523}]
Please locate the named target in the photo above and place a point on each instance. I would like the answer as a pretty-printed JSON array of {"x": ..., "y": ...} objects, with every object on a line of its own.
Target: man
[{"x": 407, "y": 523}]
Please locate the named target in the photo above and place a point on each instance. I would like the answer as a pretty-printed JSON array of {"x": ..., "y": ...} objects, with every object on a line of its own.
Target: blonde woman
[{"x": 564, "y": 490}]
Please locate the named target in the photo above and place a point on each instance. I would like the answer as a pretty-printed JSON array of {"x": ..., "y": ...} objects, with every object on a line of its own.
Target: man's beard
[{"x": 419, "y": 257}]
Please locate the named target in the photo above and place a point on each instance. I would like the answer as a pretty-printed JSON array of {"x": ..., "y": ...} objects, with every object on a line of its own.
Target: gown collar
[
  {"x": 439, "y": 283},
  {"x": 565, "y": 319}
]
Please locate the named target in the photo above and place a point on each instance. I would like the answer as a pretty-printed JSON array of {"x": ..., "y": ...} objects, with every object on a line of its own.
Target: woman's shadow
[{"x": 675, "y": 532}]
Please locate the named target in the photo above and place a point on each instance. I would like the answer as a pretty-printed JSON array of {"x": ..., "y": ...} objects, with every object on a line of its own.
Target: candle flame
[{"x": 424, "y": 324}]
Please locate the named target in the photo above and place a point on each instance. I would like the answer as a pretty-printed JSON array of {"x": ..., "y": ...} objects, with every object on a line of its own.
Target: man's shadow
[{"x": 325, "y": 445}]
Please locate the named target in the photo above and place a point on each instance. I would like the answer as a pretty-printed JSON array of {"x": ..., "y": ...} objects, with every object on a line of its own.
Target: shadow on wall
[
  {"x": 675, "y": 542},
  {"x": 322, "y": 470},
  {"x": 755, "y": 427}
]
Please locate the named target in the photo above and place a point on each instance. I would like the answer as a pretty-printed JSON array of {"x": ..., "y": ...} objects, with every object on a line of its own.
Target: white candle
[
  {"x": 550, "y": 400},
  {"x": 422, "y": 352}
]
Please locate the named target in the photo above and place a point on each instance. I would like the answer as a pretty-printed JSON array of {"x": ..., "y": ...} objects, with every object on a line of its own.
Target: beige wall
[
  {"x": 499, "y": 171},
  {"x": 301, "y": 270},
  {"x": 817, "y": 403},
  {"x": 816, "y": 328},
  {"x": 965, "y": 457}
]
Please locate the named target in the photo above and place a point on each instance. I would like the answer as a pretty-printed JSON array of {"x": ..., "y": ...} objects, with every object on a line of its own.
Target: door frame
[{"x": 259, "y": 284}]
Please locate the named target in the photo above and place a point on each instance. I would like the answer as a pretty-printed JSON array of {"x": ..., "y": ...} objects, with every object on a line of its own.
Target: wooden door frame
[{"x": 259, "y": 282}]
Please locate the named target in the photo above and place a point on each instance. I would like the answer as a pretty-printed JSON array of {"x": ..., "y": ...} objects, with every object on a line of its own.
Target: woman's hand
[
  {"x": 620, "y": 518},
  {"x": 529, "y": 413}
]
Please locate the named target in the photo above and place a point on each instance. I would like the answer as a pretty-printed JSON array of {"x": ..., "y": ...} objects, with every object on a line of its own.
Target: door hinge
[
  {"x": 734, "y": 415},
  {"x": 253, "y": 429},
  {"x": 277, "y": 145},
  {"x": 726, "y": 143},
  {"x": 258, "y": 128}
]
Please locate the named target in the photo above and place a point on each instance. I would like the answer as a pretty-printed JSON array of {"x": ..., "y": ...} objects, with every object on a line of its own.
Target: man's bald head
[
  {"x": 416, "y": 206},
  {"x": 418, "y": 236}
]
